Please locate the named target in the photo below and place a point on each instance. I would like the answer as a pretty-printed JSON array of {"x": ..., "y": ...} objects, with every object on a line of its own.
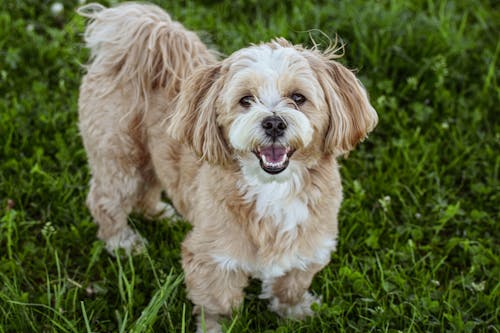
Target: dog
[{"x": 245, "y": 147}]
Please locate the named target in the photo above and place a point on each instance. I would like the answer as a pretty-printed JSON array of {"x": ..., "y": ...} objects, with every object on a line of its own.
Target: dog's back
[
  {"x": 137, "y": 53},
  {"x": 139, "y": 45}
]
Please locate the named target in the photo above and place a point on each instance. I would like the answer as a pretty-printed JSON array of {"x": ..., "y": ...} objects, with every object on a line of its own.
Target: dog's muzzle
[
  {"x": 274, "y": 126},
  {"x": 275, "y": 157}
]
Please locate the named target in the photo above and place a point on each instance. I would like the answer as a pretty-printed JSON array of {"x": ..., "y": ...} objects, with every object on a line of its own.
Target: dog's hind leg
[{"x": 110, "y": 201}]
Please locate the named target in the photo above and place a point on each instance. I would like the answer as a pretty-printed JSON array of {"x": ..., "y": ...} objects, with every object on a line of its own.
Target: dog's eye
[
  {"x": 247, "y": 101},
  {"x": 299, "y": 99}
]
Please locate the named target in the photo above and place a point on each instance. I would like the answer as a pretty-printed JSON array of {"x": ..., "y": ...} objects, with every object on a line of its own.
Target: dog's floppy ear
[
  {"x": 351, "y": 117},
  {"x": 194, "y": 120}
]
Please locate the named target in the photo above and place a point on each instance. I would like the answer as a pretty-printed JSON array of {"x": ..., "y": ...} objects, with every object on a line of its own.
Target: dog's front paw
[
  {"x": 213, "y": 329},
  {"x": 127, "y": 240},
  {"x": 208, "y": 324},
  {"x": 297, "y": 311}
]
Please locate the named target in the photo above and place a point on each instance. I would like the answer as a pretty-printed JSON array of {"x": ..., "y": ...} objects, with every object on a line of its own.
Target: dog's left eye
[
  {"x": 299, "y": 99},
  {"x": 247, "y": 101}
]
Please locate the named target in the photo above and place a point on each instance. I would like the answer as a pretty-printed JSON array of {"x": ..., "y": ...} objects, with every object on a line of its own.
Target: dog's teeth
[
  {"x": 274, "y": 165},
  {"x": 278, "y": 164}
]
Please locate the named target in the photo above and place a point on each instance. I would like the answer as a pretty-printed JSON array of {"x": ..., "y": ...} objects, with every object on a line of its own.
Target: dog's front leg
[
  {"x": 288, "y": 293},
  {"x": 213, "y": 289}
]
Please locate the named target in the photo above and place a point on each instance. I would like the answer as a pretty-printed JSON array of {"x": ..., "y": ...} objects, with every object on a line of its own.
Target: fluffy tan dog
[{"x": 245, "y": 147}]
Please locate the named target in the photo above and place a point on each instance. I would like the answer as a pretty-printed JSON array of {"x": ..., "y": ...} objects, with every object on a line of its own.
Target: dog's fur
[{"x": 158, "y": 111}]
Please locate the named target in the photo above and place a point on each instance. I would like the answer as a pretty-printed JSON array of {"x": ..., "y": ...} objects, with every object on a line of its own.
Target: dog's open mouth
[{"x": 274, "y": 159}]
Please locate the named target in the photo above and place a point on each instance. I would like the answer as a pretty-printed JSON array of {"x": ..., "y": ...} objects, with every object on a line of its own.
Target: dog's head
[{"x": 272, "y": 107}]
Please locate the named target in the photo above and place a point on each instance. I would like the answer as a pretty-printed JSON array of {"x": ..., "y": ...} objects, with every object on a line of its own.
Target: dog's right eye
[{"x": 247, "y": 101}]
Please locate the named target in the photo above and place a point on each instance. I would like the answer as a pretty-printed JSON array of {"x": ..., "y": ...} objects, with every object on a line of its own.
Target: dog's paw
[
  {"x": 166, "y": 210},
  {"x": 162, "y": 210},
  {"x": 298, "y": 311},
  {"x": 127, "y": 240},
  {"x": 209, "y": 324},
  {"x": 213, "y": 329}
]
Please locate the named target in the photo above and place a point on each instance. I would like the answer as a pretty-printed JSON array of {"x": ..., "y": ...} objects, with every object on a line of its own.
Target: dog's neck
[{"x": 280, "y": 198}]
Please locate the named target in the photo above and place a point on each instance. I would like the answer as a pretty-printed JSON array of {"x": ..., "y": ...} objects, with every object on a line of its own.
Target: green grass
[{"x": 419, "y": 227}]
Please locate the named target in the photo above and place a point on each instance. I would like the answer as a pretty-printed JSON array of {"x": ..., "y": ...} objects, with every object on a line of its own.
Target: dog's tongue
[{"x": 273, "y": 154}]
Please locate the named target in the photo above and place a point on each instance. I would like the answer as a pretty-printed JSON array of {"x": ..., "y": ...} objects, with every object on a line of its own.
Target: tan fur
[
  {"x": 156, "y": 111},
  {"x": 189, "y": 124},
  {"x": 351, "y": 116}
]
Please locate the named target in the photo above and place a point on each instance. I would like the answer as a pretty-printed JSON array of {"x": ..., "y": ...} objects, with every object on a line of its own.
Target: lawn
[{"x": 419, "y": 237}]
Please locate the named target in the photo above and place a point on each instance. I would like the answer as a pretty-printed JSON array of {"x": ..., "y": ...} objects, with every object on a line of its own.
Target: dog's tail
[{"x": 139, "y": 46}]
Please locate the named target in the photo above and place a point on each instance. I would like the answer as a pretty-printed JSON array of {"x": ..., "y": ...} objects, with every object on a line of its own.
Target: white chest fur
[{"x": 284, "y": 204}]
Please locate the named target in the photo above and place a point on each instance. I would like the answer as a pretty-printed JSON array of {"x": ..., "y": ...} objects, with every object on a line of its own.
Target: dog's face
[{"x": 274, "y": 108}]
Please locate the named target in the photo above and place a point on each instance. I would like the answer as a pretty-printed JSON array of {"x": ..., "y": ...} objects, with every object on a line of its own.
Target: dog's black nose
[{"x": 274, "y": 126}]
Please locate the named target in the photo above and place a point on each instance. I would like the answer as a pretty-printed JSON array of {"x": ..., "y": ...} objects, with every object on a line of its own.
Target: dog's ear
[
  {"x": 351, "y": 117},
  {"x": 194, "y": 120}
]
